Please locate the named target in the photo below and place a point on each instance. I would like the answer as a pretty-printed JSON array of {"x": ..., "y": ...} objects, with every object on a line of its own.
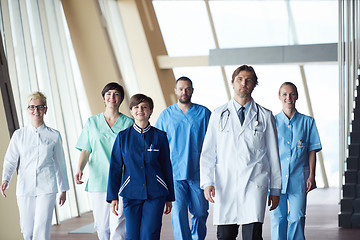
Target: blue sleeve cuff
[{"x": 275, "y": 191}]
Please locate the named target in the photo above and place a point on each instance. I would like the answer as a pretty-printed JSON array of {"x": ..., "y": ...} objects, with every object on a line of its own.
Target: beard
[
  {"x": 185, "y": 101},
  {"x": 244, "y": 94}
]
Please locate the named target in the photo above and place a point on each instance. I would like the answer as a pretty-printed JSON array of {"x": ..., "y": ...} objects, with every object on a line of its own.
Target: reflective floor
[{"x": 321, "y": 222}]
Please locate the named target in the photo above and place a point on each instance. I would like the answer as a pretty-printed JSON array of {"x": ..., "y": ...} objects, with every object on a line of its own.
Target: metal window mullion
[
  {"x": 342, "y": 140},
  {"x": 114, "y": 27},
  {"x": 28, "y": 46},
  {"x": 69, "y": 70},
  {"x": 74, "y": 210},
  {"x": 60, "y": 123},
  {"x": 357, "y": 12},
  {"x": 353, "y": 56},
  {"x": 68, "y": 67},
  {"x": 355, "y": 20},
  {"x": 10, "y": 53},
  {"x": 52, "y": 76},
  {"x": 348, "y": 68},
  {"x": 217, "y": 45}
]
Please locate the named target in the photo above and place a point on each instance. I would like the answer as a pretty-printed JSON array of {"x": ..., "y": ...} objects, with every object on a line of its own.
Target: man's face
[
  {"x": 243, "y": 84},
  {"x": 184, "y": 91}
]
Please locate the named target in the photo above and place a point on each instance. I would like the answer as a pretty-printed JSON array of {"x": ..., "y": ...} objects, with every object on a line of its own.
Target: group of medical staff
[
  {"x": 249, "y": 155},
  {"x": 240, "y": 158}
]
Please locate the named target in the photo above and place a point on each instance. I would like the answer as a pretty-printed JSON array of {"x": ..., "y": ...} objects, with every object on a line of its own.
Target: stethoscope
[{"x": 226, "y": 113}]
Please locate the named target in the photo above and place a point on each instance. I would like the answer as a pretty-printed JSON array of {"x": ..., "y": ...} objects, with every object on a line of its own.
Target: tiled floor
[{"x": 321, "y": 222}]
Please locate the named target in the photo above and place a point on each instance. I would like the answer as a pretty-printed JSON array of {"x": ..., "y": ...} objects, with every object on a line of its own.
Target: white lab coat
[
  {"x": 42, "y": 161},
  {"x": 241, "y": 163}
]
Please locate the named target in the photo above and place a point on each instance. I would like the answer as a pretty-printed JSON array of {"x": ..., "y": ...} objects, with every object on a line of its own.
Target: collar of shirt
[
  {"x": 34, "y": 129},
  {"x": 238, "y": 106},
  {"x": 285, "y": 118},
  {"x": 145, "y": 130}
]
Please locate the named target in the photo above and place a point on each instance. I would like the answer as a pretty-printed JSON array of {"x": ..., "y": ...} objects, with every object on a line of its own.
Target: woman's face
[
  {"x": 288, "y": 97},
  {"x": 141, "y": 112},
  {"x": 37, "y": 110},
  {"x": 112, "y": 98}
]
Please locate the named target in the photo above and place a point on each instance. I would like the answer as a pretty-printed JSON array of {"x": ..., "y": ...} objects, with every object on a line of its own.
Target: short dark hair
[
  {"x": 114, "y": 86},
  {"x": 183, "y": 78},
  {"x": 289, "y": 84},
  {"x": 245, "y": 68},
  {"x": 139, "y": 98}
]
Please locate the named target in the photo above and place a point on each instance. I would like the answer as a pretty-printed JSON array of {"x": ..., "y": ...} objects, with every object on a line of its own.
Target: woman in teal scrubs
[
  {"x": 95, "y": 143},
  {"x": 298, "y": 143}
]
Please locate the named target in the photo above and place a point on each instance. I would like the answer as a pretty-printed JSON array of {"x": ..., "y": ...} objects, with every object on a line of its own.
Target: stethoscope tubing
[{"x": 228, "y": 115}]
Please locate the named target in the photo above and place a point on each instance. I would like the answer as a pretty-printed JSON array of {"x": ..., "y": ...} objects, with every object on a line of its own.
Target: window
[
  {"x": 40, "y": 57},
  {"x": 187, "y": 31}
]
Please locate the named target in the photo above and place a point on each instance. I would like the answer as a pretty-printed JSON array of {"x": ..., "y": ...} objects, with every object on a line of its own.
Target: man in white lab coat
[{"x": 240, "y": 161}]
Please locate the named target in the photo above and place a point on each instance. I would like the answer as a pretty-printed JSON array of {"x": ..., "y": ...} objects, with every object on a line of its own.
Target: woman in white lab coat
[
  {"x": 240, "y": 161},
  {"x": 38, "y": 151}
]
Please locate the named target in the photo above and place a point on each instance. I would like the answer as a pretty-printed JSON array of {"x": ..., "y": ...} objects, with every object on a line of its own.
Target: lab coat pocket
[
  {"x": 258, "y": 140},
  {"x": 47, "y": 180},
  {"x": 221, "y": 177},
  {"x": 260, "y": 176}
]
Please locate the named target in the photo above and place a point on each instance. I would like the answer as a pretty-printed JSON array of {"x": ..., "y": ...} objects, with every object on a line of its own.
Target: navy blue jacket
[{"x": 140, "y": 166}]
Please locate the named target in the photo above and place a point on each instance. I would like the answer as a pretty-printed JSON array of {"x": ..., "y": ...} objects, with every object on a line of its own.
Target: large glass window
[
  {"x": 41, "y": 58},
  {"x": 187, "y": 30},
  {"x": 185, "y": 27},
  {"x": 250, "y": 23},
  {"x": 110, "y": 11}
]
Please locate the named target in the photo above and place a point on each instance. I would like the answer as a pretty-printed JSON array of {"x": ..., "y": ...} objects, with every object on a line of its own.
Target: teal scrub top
[
  {"x": 297, "y": 137},
  {"x": 98, "y": 138},
  {"x": 186, "y": 133}
]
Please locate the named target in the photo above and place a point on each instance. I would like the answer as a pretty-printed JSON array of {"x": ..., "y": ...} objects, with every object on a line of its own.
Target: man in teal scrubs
[{"x": 185, "y": 124}]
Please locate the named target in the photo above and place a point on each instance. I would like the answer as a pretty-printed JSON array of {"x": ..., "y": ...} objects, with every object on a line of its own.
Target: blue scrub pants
[
  {"x": 189, "y": 197},
  {"x": 143, "y": 218},
  {"x": 289, "y": 221}
]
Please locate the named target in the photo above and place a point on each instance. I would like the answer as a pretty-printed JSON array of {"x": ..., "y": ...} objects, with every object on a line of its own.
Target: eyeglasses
[{"x": 38, "y": 107}]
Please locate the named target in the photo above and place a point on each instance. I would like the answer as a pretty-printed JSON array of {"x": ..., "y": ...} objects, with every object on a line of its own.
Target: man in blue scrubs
[
  {"x": 298, "y": 143},
  {"x": 185, "y": 124}
]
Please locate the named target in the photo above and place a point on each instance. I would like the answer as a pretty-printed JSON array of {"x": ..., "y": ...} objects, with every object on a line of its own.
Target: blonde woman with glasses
[{"x": 37, "y": 150}]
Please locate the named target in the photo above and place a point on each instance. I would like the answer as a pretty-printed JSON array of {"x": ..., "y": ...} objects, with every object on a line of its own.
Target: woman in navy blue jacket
[{"x": 140, "y": 169}]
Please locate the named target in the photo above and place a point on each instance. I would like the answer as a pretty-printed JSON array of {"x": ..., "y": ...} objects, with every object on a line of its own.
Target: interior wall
[
  {"x": 146, "y": 44},
  {"x": 97, "y": 61},
  {"x": 145, "y": 14},
  {"x": 93, "y": 51}
]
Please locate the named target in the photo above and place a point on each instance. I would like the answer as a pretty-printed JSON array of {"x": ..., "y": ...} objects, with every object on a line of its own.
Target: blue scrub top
[
  {"x": 297, "y": 137},
  {"x": 186, "y": 133}
]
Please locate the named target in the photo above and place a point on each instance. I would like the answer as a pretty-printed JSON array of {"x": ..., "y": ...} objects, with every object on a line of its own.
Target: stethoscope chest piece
[{"x": 256, "y": 123}]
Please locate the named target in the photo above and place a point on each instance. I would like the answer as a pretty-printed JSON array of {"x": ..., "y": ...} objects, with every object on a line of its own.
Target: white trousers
[
  {"x": 108, "y": 225},
  {"x": 36, "y": 216}
]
